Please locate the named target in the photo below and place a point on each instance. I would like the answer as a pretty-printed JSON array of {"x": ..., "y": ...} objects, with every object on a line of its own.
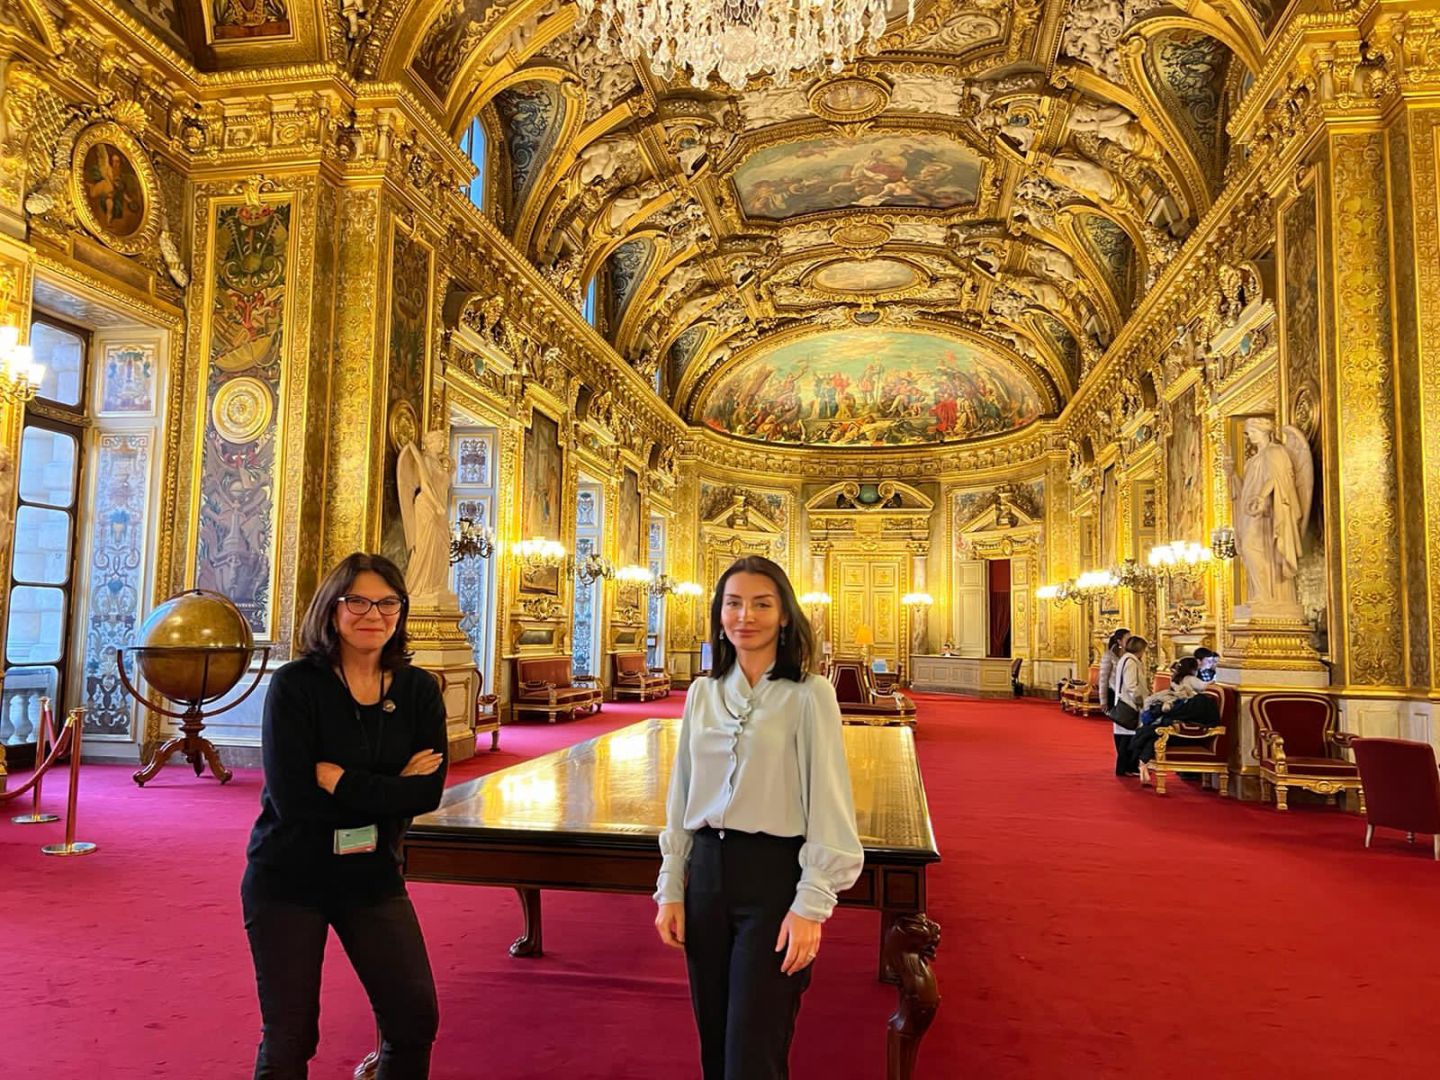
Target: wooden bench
[{"x": 544, "y": 685}]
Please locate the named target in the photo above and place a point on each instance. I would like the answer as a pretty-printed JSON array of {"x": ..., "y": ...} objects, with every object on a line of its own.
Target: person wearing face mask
[
  {"x": 354, "y": 742},
  {"x": 760, "y": 836}
]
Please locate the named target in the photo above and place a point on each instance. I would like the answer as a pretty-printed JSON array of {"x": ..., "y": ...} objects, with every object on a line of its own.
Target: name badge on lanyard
[{"x": 359, "y": 841}]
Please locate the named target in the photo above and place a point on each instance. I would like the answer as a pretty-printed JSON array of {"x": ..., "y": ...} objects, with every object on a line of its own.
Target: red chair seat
[{"x": 1325, "y": 766}]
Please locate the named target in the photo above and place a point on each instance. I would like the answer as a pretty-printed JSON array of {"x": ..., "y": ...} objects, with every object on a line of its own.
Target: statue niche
[
  {"x": 1272, "y": 507},
  {"x": 422, "y": 477}
]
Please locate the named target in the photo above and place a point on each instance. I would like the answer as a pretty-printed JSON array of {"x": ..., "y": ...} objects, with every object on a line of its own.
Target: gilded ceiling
[{"x": 1012, "y": 176}]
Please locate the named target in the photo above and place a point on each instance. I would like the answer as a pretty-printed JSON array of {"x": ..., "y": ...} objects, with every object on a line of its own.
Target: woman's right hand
[
  {"x": 670, "y": 924},
  {"x": 422, "y": 763}
]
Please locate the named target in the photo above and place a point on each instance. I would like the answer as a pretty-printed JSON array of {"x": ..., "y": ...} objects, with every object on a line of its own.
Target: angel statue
[
  {"x": 1272, "y": 507},
  {"x": 422, "y": 478}
]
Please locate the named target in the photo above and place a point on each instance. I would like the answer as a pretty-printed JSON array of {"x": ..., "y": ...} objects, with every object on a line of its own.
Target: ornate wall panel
[
  {"x": 115, "y": 587},
  {"x": 532, "y": 114},
  {"x": 405, "y": 419},
  {"x": 240, "y": 434},
  {"x": 1370, "y": 587},
  {"x": 1185, "y": 480}
]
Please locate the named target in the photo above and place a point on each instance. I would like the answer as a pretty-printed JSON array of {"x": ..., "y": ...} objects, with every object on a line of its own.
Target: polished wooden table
[{"x": 588, "y": 818}]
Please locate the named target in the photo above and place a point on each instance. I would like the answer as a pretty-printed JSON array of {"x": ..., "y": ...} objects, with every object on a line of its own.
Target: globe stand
[{"x": 197, "y": 750}]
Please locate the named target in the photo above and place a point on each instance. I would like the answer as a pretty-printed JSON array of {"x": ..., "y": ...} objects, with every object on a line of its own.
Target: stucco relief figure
[
  {"x": 1272, "y": 506},
  {"x": 422, "y": 475}
]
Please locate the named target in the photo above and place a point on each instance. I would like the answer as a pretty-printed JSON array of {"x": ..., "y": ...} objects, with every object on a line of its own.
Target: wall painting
[
  {"x": 630, "y": 524},
  {"x": 543, "y": 480},
  {"x": 405, "y": 379},
  {"x": 236, "y": 537},
  {"x": 1185, "y": 480}
]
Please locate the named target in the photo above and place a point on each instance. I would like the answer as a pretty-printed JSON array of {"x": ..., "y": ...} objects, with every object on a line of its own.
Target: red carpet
[{"x": 1090, "y": 930}]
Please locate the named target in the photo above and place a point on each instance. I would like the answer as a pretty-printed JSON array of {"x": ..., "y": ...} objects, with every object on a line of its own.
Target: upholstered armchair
[
  {"x": 630, "y": 678},
  {"x": 1082, "y": 696},
  {"x": 1015, "y": 684},
  {"x": 1189, "y": 747},
  {"x": 1298, "y": 743},
  {"x": 1401, "y": 786},
  {"x": 860, "y": 702}
]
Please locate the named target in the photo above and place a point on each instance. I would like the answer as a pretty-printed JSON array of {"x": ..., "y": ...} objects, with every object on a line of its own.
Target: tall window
[
  {"x": 585, "y": 636},
  {"x": 42, "y": 586},
  {"x": 473, "y": 143},
  {"x": 472, "y": 495},
  {"x": 590, "y": 308},
  {"x": 655, "y": 616}
]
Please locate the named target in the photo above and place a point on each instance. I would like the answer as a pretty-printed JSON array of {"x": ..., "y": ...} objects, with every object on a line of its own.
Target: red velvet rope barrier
[{"x": 58, "y": 749}]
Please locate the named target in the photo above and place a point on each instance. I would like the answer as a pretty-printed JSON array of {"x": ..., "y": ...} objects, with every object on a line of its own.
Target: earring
[{"x": 782, "y": 634}]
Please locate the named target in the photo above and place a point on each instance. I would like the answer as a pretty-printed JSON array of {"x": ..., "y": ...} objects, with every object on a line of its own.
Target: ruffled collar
[{"x": 739, "y": 697}]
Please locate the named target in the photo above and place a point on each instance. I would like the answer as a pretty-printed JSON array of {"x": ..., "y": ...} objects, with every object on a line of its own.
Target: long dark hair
[
  {"x": 318, "y": 637},
  {"x": 1185, "y": 667},
  {"x": 1117, "y": 637},
  {"x": 796, "y": 647}
]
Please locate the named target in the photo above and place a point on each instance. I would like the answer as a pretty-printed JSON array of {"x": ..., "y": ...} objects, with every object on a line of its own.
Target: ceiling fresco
[
  {"x": 835, "y": 172},
  {"x": 870, "y": 387},
  {"x": 1012, "y": 177}
]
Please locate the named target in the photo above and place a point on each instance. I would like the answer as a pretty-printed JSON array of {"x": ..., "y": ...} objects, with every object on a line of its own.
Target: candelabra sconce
[
  {"x": 815, "y": 603},
  {"x": 633, "y": 575},
  {"x": 1179, "y": 560},
  {"x": 665, "y": 585},
  {"x": 20, "y": 375},
  {"x": 471, "y": 540},
  {"x": 538, "y": 553},
  {"x": 1131, "y": 575},
  {"x": 594, "y": 567},
  {"x": 1089, "y": 586},
  {"x": 1222, "y": 543}
]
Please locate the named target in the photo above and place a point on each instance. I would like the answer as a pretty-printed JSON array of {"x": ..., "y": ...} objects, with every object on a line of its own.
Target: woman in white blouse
[{"x": 760, "y": 833}]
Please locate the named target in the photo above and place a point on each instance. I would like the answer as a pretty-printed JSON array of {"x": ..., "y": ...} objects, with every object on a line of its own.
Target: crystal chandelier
[{"x": 741, "y": 38}]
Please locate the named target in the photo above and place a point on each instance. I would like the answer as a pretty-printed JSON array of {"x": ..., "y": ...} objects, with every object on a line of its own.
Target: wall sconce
[
  {"x": 20, "y": 375},
  {"x": 538, "y": 553},
  {"x": 633, "y": 575},
  {"x": 917, "y": 599},
  {"x": 594, "y": 567},
  {"x": 1179, "y": 559},
  {"x": 663, "y": 585},
  {"x": 687, "y": 589},
  {"x": 471, "y": 540},
  {"x": 1222, "y": 543},
  {"x": 1091, "y": 585},
  {"x": 814, "y": 601}
]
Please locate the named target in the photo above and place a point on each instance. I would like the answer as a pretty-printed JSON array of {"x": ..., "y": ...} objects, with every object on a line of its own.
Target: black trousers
[
  {"x": 737, "y": 893},
  {"x": 384, "y": 944},
  {"x": 1125, "y": 760}
]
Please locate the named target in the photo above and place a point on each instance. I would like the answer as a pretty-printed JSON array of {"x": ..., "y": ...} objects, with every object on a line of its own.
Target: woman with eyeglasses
[{"x": 354, "y": 746}]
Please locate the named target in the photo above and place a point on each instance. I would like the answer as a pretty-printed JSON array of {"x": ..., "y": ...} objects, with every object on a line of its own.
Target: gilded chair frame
[{"x": 1276, "y": 774}]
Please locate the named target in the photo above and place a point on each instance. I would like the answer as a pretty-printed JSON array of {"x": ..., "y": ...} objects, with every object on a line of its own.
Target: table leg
[
  {"x": 529, "y": 943},
  {"x": 910, "y": 946},
  {"x": 887, "y": 973}
]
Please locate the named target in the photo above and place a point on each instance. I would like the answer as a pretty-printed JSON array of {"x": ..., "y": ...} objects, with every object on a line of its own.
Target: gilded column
[
  {"x": 919, "y": 619},
  {"x": 16, "y": 280},
  {"x": 1362, "y": 490},
  {"x": 819, "y": 561}
]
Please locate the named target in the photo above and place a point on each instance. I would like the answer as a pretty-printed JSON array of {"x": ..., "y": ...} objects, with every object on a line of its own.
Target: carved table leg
[
  {"x": 529, "y": 943},
  {"x": 170, "y": 748},
  {"x": 212, "y": 758},
  {"x": 909, "y": 948},
  {"x": 887, "y": 974}
]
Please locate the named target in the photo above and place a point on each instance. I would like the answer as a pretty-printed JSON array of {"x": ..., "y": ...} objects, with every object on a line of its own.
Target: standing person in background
[
  {"x": 1114, "y": 649},
  {"x": 760, "y": 836},
  {"x": 1129, "y": 694},
  {"x": 354, "y": 746}
]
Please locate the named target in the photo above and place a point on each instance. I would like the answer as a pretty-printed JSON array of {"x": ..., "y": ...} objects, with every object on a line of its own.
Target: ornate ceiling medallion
[
  {"x": 242, "y": 409},
  {"x": 849, "y": 99},
  {"x": 869, "y": 279},
  {"x": 861, "y": 238}
]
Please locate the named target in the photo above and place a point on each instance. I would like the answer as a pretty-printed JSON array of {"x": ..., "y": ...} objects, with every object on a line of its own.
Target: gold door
[{"x": 870, "y": 587}]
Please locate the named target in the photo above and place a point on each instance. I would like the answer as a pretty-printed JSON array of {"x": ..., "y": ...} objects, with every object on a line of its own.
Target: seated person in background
[
  {"x": 1207, "y": 659},
  {"x": 1160, "y": 707}
]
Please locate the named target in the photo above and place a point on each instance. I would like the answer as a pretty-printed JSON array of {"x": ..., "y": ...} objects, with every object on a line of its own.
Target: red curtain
[{"x": 999, "y": 570}]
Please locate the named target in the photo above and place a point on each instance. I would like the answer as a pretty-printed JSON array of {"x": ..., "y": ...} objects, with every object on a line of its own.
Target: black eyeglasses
[{"x": 361, "y": 605}]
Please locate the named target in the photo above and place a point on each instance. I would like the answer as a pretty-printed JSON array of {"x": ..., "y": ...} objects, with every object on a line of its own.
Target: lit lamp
[
  {"x": 688, "y": 591},
  {"x": 864, "y": 638},
  {"x": 538, "y": 553},
  {"x": 20, "y": 375},
  {"x": 633, "y": 575},
  {"x": 1179, "y": 559},
  {"x": 815, "y": 602},
  {"x": 594, "y": 567}
]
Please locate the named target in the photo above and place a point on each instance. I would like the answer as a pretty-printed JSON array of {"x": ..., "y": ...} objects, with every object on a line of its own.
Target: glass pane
[
  {"x": 37, "y": 625},
  {"x": 20, "y": 705},
  {"x": 42, "y": 546},
  {"x": 475, "y": 147},
  {"x": 47, "y": 467},
  {"x": 63, "y": 355}
]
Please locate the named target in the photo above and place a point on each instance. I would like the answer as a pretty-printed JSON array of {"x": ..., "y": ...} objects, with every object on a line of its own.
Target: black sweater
[{"x": 310, "y": 717}]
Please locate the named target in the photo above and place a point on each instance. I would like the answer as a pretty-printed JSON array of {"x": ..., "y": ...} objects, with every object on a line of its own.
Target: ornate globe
[{"x": 194, "y": 647}]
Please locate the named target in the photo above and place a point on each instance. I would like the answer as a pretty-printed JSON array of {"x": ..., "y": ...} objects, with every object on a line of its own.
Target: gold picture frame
[{"x": 114, "y": 189}]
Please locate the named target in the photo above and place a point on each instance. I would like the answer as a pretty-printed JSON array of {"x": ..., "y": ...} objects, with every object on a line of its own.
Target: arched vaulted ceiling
[{"x": 1007, "y": 177}]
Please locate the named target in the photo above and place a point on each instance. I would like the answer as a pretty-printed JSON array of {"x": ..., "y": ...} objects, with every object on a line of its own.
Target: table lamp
[{"x": 864, "y": 638}]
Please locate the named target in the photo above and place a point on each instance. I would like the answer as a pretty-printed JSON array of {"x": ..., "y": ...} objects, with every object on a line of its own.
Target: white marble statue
[
  {"x": 1086, "y": 178},
  {"x": 422, "y": 478},
  {"x": 1111, "y": 123},
  {"x": 1046, "y": 260},
  {"x": 1272, "y": 506}
]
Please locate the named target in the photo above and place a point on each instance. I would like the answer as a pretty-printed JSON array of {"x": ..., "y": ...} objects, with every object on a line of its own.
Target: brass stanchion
[
  {"x": 43, "y": 738},
  {"x": 71, "y": 846}
]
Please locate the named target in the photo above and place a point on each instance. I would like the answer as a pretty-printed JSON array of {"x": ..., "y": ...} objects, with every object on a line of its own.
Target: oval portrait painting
[
  {"x": 112, "y": 190},
  {"x": 869, "y": 387}
]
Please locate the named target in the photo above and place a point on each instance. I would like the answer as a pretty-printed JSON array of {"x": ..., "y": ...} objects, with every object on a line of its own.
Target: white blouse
[{"x": 764, "y": 759}]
